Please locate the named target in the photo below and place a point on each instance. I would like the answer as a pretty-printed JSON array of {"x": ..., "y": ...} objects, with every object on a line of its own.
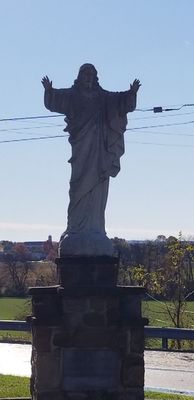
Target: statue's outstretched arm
[{"x": 135, "y": 86}]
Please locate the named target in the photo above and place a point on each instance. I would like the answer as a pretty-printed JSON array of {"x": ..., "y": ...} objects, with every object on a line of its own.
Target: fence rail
[
  {"x": 168, "y": 333},
  {"x": 150, "y": 331},
  {"x": 20, "y": 326}
]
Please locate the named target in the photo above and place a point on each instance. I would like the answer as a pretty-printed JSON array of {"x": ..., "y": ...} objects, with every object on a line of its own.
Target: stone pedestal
[{"x": 88, "y": 334}]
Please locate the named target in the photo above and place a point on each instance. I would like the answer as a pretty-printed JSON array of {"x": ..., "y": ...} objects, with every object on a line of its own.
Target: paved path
[
  {"x": 163, "y": 370},
  {"x": 172, "y": 371}
]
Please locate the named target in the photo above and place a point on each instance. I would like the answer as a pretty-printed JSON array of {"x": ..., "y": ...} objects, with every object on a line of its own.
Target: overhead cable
[
  {"x": 34, "y": 117},
  {"x": 33, "y": 138},
  {"x": 160, "y": 125},
  {"x": 60, "y": 136},
  {"x": 157, "y": 109},
  {"x": 160, "y": 109}
]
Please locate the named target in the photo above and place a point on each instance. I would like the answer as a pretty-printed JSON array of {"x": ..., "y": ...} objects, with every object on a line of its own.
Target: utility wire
[
  {"x": 27, "y": 118},
  {"x": 139, "y": 127},
  {"x": 160, "y": 144},
  {"x": 154, "y": 109},
  {"x": 33, "y": 138},
  {"x": 161, "y": 109},
  {"x": 30, "y": 127},
  {"x": 162, "y": 116},
  {"x": 160, "y": 125},
  {"x": 60, "y": 136},
  {"x": 163, "y": 133}
]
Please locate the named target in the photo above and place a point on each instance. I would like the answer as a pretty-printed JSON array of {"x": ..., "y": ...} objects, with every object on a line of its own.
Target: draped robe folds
[{"x": 96, "y": 120}]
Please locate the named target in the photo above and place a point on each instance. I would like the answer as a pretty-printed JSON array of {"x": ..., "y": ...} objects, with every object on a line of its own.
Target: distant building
[
  {"x": 38, "y": 250},
  {"x": 34, "y": 250}
]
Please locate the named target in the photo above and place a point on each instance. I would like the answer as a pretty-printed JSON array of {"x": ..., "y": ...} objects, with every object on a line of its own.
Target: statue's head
[{"x": 87, "y": 76}]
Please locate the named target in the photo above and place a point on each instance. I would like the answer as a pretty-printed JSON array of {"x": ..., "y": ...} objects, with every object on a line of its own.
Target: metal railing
[
  {"x": 20, "y": 326},
  {"x": 150, "y": 331},
  {"x": 168, "y": 333}
]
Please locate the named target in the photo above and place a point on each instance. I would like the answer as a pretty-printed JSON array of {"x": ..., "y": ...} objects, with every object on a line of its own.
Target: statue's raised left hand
[
  {"x": 135, "y": 86},
  {"x": 46, "y": 83}
]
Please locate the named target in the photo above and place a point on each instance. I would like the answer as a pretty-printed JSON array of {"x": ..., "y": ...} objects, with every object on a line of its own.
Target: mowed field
[
  {"x": 156, "y": 311},
  {"x": 13, "y": 308}
]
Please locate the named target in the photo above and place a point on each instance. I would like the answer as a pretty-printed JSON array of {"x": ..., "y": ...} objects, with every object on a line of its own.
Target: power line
[
  {"x": 154, "y": 109},
  {"x": 33, "y": 138},
  {"x": 128, "y": 129},
  {"x": 28, "y": 118},
  {"x": 161, "y": 144},
  {"x": 30, "y": 127},
  {"x": 164, "y": 133},
  {"x": 160, "y": 125},
  {"x": 60, "y": 136},
  {"x": 161, "y": 109},
  {"x": 162, "y": 116}
]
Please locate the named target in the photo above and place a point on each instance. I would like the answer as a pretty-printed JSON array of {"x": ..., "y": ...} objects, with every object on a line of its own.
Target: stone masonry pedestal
[{"x": 88, "y": 334}]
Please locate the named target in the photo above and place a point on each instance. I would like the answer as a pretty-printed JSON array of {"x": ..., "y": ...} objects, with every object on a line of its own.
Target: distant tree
[
  {"x": 152, "y": 281},
  {"x": 18, "y": 268},
  {"x": 169, "y": 281},
  {"x": 161, "y": 238},
  {"x": 175, "y": 286},
  {"x": 7, "y": 245}
]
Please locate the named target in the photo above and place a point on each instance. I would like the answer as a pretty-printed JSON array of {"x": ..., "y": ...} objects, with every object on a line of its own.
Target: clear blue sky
[{"x": 149, "y": 40}]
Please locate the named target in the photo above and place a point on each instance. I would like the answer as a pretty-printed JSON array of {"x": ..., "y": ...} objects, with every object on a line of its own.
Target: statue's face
[{"x": 87, "y": 77}]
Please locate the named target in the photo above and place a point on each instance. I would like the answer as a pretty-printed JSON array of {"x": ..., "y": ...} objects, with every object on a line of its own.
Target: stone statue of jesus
[{"x": 96, "y": 121}]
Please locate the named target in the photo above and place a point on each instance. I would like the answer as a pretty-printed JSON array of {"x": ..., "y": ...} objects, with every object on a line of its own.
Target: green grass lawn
[
  {"x": 15, "y": 386},
  {"x": 157, "y": 313},
  {"x": 166, "y": 396},
  {"x": 12, "y": 308}
]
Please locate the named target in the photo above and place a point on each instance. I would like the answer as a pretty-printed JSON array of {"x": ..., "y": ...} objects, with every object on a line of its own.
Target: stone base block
[
  {"x": 87, "y": 335},
  {"x": 87, "y": 271},
  {"x": 85, "y": 244}
]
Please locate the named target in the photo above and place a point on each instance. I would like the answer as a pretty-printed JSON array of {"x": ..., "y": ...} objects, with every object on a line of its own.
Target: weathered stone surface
[
  {"x": 101, "y": 291},
  {"x": 86, "y": 243},
  {"x": 137, "y": 339},
  {"x": 87, "y": 337},
  {"x": 90, "y": 369},
  {"x": 75, "y": 305},
  {"x": 49, "y": 395},
  {"x": 131, "y": 394},
  {"x": 94, "y": 319},
  {"x": 87, "y": 271},
  {"x": 48, "y": 371},
  {"x": 76, "y": 396},
  {"x": 112, "y": 317},
  {"x": 42, "y": 338},
  {"x": 132, "y": 371},
  {"x": 124, "y": 341},
  {"x": 92, "y": 347},
  {"x": 46, "y": 305},
  {"x": 97, "y": 304}
]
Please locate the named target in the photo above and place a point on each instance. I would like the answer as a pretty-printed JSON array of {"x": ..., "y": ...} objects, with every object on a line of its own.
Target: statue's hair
[{"x": 77, "y": 81}]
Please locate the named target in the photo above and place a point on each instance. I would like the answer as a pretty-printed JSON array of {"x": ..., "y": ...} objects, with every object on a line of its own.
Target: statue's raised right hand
[{"x": 46, "y": 83}]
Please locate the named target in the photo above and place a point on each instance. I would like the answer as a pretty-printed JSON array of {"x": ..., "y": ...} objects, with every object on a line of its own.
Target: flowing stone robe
[{"x": 96, "y": 120}]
